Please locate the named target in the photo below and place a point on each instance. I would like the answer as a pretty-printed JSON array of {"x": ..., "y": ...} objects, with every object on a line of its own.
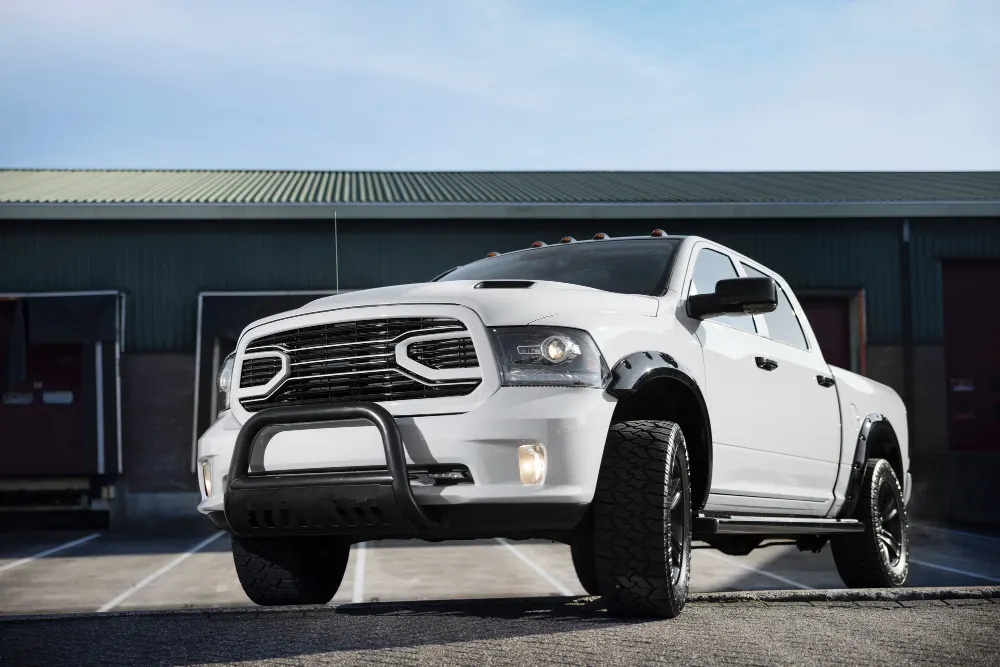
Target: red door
[
  {"x": 972, "y": 354},
  {"x": 830, "y": 317},
  {"x": 41, "y": 417}
]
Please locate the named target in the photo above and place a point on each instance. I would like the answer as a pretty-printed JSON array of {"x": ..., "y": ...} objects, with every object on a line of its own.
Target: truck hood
[{"x": 504, "y": 306}]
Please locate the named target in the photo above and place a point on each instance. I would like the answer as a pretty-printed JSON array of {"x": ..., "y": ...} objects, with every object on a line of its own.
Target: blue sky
[{"x": 501, "y": 84}]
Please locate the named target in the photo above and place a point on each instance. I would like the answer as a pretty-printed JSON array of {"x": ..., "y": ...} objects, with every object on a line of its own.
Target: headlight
[
  {"x": 226, "y": 381},
  {"x": 545, "y": 356}
]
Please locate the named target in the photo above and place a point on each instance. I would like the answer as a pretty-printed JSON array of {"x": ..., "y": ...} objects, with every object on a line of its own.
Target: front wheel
[
  {"x": 642, "y": 520},
  {"x": 290, "y": 571},
  {"x": 878, "y": 557}
]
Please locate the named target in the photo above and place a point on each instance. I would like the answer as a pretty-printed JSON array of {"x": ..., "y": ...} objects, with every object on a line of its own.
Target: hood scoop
[{"x": 505, "y": 284}]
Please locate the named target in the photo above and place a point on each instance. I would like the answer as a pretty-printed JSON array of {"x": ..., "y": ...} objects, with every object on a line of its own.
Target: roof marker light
[
  {"x": 600, "y": 236},
  {"x": 658, "y": 233},
  {"x": 567, "y": 239},
  {"x": 537, "y": 244},
  {"x": 492, "y": 254}
]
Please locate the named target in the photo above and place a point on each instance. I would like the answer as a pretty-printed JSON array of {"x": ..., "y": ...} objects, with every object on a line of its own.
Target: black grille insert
[
  {"x": 258, "y": 372},
  {"x": 444, "y": 354},
  {"x": 356, "y": 361}
]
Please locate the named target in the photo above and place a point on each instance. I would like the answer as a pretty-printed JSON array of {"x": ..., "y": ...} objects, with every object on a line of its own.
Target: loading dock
[{"x": 60, "y": 413}]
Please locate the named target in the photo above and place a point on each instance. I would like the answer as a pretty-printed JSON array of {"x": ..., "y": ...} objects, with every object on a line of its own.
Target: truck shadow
[{"x": 257, "y": 634}]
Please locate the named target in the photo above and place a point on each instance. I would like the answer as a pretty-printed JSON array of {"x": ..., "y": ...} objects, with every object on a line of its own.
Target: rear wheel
[
  {"x": 642, "y": 520},
  {"x": 290, "y": 571},
  {"x": 878, "y": 557}
]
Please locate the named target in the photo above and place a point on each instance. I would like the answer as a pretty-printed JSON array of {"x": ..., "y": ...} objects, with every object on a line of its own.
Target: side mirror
[{"x": 749, "y": 296}]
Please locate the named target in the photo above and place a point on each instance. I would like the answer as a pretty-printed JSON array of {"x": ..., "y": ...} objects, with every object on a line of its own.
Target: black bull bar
[{"x": 322, "y": 503}]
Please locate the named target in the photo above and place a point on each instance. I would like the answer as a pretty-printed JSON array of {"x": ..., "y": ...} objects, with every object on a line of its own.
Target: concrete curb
[
  {"x": 554, "y": 603},
  {"x": 853, "y": 595}
]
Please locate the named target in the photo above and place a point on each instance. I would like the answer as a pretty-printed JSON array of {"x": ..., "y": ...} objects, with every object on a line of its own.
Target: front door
[{"x": 743, "y": 402}]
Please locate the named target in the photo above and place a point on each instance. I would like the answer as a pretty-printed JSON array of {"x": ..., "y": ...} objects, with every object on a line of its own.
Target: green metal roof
[
  {"x": 370, "y": 190},
  {"x": 486, "y": 187}
]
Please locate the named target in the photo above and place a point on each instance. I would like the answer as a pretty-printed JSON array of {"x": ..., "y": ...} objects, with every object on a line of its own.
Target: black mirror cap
[{"x": 750, "y": 296}]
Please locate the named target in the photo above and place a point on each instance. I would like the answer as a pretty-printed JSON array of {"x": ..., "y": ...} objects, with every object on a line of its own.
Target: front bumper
[{"x": 306, "y": 465}]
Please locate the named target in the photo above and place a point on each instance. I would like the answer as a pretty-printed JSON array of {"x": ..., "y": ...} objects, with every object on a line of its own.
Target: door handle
[
  {"x": 825, "y": 381},
  {"x": 765, "y": 363}
]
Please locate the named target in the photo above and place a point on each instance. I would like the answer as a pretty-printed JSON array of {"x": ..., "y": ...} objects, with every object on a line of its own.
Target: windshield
[{"x": 637, "y": 266}]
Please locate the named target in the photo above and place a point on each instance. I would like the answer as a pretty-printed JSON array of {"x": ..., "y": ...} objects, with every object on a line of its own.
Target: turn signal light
[
  {"x": 537, "y": 244},
  {"x": 658, "y": 233}
]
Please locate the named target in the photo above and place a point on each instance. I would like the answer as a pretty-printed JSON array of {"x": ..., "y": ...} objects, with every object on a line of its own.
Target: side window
[
  {"x": 709, "y": 268},
  {"x": 782, "y": 323}
]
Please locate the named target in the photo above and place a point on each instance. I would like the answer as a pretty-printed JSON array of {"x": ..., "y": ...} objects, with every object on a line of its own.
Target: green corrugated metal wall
[
  {"x": 933, "y": 241},
  {"x": 163, "y": 266}
]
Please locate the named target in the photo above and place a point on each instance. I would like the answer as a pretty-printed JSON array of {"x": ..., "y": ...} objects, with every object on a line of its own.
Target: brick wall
[{"x": 157, "y": 399}]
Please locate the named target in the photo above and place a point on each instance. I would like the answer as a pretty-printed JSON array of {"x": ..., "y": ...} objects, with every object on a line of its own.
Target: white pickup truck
[{"x": 624, "y": 396}]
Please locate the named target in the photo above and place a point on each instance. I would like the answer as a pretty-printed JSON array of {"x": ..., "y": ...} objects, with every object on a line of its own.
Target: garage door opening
[
  {"x": 60, "y": 399},
  {"x": 222, "y": 316},
  {"x": 972, "y": 354},
  {"x": 838, "y": 320}
]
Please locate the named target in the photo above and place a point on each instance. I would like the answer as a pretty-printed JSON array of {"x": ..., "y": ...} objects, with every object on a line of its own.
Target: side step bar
[{"x": 771, "y": 525}]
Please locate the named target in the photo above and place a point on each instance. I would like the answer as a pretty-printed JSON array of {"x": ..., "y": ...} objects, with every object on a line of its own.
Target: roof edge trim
[{"x": 464, "y": 211}]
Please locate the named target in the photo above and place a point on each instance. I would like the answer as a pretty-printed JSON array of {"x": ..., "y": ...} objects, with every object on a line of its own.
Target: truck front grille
[{"x": 356, "y": 361}]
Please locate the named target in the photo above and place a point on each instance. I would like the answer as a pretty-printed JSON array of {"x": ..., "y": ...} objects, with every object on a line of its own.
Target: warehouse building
[{"x": 122, "y": 291}]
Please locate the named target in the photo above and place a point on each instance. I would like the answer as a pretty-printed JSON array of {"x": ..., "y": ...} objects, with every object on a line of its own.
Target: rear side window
[
  {"x": 782, "y": 323},
  {"x": 709, "y": 268}
]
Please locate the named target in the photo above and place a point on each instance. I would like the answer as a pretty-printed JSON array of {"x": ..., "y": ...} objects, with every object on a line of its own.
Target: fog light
[
  {"x": 206, "y": 476},
  {"x": 531, "y": 461}
]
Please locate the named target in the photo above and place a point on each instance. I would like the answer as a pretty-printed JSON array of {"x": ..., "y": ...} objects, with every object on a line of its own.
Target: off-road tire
[
  {"x": 290, "y": 571},
  {"x": 861, "y": 558},
  {"x": 642, "y": 549}
]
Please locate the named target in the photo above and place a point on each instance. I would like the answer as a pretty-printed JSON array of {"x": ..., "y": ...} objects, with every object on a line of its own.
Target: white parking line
[
  {"x": 776, "y": 577},
  {"x": 49, "y": 552},
  {"x": 955, "y": 570},
  {"x": 359, "y": 573},
  {"x": 534, "y": 566},
  {"x": 952, "y": 531},
  {"x": 124, "y": 595}
]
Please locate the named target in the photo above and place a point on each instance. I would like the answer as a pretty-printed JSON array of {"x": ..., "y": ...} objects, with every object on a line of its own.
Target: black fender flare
[
  {"x": 875, "y": 426},
  {"x": 635, "y": 370}
]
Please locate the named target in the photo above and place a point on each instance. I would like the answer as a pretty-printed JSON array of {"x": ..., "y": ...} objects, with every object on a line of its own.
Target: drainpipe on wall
[{"x": 906, "y": 315}]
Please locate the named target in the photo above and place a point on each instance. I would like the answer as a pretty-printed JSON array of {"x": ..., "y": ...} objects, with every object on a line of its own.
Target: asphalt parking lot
[
  {"x": 99, "y": 572},
  {"x": 174, "y": 600}
]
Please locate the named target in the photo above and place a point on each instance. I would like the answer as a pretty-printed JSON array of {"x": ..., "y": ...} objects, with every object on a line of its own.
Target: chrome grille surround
[{"x": 363, "y": 360}]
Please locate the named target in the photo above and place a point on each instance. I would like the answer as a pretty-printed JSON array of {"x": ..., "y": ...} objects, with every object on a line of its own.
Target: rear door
[{"x": 806, "y": 427}]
